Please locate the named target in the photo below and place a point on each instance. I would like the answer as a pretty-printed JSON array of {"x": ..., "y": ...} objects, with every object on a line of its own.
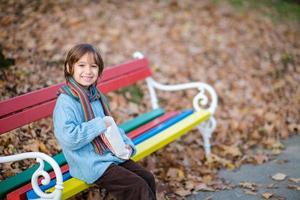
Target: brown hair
[{"x": 76, "y": 53}]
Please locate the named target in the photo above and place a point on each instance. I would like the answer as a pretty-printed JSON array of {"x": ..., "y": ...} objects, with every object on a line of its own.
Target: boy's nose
[{"x": 88, "y": 69}]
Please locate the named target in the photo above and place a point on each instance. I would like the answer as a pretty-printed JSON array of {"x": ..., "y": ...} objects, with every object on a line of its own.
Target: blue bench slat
[{"x": 32, "y": 195}]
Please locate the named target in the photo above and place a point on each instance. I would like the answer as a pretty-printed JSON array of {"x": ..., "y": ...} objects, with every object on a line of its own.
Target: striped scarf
[{"x": 73, "y": 89}]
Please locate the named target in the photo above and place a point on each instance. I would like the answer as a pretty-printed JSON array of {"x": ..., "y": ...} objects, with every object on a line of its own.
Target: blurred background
[{"x": 249, "y": 51}]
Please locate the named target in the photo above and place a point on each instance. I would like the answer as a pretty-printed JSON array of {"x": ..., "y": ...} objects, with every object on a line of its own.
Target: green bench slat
[
  {"x": 24, "y": 177},
  {"x": 141, "y": 119}
]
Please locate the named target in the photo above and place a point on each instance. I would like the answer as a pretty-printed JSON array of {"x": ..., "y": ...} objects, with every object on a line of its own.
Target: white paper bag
[{"x": 115, "y": 139}]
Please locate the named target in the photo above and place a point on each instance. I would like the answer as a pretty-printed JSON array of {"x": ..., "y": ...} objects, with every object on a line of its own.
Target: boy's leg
[
  {"x": 124, "y": 184},
  {"x": 140, "y": 171}
]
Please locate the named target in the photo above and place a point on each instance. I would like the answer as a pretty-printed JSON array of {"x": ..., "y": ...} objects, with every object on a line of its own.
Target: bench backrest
[{"x": 30, "y": 107}]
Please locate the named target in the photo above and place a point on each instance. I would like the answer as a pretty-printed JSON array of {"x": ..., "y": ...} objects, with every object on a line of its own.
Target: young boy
[{"x": 79, "y": 127}]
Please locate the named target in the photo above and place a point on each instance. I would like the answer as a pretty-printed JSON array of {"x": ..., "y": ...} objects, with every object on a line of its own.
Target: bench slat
[
  {"x": 24, "y": 101},
  {"x": 22, "y": 178},
  {"x": 142, "y": 119},
  {"x": 73, "y": 186},
  {"x": 161, "y": 127},
  {"x": 44, "y": 110},
  {"x": 26, "y": 117},
  {"x": 46, "y": 94},
  {"x": 135, "y": 133},
  {"x": 123, "y": 80}
]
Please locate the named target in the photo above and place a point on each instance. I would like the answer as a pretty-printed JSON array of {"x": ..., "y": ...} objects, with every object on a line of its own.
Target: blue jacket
[{"x": 75, "y": 136}]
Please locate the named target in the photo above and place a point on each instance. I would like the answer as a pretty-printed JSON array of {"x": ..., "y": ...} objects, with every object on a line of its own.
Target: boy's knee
[
  {"x": 150, "y": 178},
  {"x": 143, "y": 191},
  {"x": 140, "y": 183}
]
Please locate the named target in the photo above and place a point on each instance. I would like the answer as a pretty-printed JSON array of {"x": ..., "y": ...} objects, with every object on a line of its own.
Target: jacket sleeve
[
  {"x": 128, "y": 141},
  {"x": 71, "y": 133}
]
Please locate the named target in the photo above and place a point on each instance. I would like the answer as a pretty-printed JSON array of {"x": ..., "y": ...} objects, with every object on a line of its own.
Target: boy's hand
[
  {"x": 107, "y": 121},
  {"x": 129, "y": 149}
]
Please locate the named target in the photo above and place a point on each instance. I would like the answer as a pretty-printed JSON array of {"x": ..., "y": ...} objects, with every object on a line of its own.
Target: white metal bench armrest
[
  {"x": 40, "y": 157},
  {"x": 199, "y": 101}
]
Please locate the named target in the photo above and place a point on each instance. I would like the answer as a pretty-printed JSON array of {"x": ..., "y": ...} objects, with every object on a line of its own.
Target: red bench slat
[
  {"x": 133, "y": 134},
  {"x": 29, "y": 99},
  {"x": 123, "y": 81}
]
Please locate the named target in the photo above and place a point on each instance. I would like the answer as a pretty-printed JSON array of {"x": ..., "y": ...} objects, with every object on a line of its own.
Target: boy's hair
[{"x": 76, "y": 53}]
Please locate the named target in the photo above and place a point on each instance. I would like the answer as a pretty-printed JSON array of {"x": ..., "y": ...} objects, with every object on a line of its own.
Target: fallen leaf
[
  {"x": 190, "y": 185},
  {"x": 207, "y": 178},
  {"x": 249, "y": 192},
  {"x": 203, "y": 187},
  {"x": 260, "y": 158},
  {"x": 176, "y": 173},
  {"x": 270, "y": 116},
  {"x": 231, "y": 150},
  {"x": 182, "y": 192},
  {"x": 282, "y": 161},
  {"x": 279, "y": 177},
  {"x": 224, "y": 162},
  {"x": 209, "y": 197},
  {"x": 277, "y": 145},
  {"x": 272, "y": 186},
  {"x": 294, "y": 187},
  {"x": 276, "y": 151},
  {"x": 267, "y": 195},
  {"x": 43, "y": 148},
  {"x": 295, "y": 180},
  {"x": 248, "y": 185}
]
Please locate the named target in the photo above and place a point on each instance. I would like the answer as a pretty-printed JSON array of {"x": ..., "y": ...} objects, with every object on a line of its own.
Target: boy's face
[{"x": 85, "y": 70}]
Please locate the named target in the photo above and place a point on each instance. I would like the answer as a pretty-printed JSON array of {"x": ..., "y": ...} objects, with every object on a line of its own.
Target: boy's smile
[{"x": 86, "y": 70}]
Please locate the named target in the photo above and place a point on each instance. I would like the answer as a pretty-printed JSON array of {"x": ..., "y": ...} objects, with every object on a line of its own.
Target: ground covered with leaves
[{"x": 251, "y": 60}]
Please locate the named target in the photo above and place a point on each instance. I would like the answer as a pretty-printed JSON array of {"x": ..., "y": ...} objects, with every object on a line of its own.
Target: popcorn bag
[{"x": 115, "y": 139}]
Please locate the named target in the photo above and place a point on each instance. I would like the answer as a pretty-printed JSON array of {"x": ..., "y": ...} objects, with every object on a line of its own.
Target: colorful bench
[{"x": 150, "y": 131}]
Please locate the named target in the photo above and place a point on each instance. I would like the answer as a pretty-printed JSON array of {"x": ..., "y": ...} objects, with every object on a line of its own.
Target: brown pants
[{"x": 128, "y": 181}]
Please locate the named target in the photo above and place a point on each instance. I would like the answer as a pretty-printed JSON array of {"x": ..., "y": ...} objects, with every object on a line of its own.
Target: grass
[
  {"x": 132, "y": 93},
  {"x": 277, "y": 10}
]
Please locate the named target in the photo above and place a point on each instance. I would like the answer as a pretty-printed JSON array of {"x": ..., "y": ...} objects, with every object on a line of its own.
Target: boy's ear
[{"x": 68, "y": 69}]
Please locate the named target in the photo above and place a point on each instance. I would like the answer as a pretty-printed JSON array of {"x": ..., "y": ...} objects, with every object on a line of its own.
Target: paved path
[{"x": 261, "y": 176}]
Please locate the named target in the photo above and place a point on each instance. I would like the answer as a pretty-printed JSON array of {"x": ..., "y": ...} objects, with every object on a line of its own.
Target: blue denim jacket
[{"x": 75, "y": 136}]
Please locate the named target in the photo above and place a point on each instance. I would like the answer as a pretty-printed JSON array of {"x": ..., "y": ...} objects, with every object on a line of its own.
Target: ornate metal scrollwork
[{"x": 40, "y": 157}]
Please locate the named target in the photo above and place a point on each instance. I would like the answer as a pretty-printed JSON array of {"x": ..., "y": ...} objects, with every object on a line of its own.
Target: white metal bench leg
[
  {"x": 40, "y": 157},
  {"x": 206, "y": 129}
]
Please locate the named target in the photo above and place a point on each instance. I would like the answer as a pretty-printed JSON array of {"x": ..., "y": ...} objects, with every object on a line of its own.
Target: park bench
[{"x": 149, "y": 131}]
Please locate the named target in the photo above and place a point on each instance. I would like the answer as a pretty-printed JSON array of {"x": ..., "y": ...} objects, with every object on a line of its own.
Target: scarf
[{"x": 76, "y": 91}]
